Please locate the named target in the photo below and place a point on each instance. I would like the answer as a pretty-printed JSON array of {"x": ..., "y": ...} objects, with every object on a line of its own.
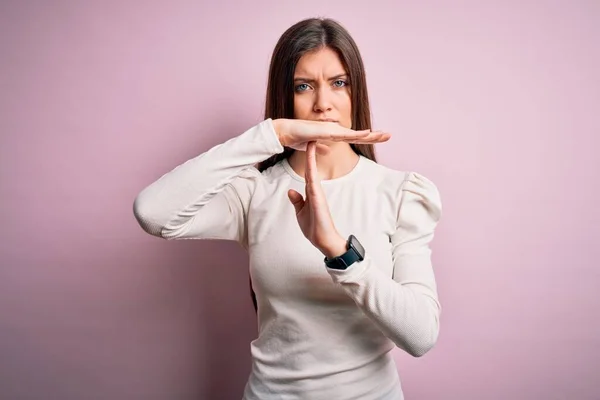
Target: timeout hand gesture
[{"x": 312, "y": 212}]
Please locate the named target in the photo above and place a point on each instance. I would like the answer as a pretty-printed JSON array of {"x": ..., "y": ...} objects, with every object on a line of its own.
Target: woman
[{"x": 338, "y": 244}]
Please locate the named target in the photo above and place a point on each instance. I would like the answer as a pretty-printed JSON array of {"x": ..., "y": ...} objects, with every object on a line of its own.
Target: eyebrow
[{"x": 338, "y": 76}]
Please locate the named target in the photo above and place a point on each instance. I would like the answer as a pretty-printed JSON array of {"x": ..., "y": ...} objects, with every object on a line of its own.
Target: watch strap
[{"x": 345, "y": 260}]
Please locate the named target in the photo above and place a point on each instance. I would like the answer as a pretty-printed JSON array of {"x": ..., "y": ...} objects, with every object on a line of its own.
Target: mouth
[{"x": 327, "y": 120}]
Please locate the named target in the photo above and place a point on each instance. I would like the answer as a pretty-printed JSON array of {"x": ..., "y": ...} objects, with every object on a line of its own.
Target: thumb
[{"x": 296, "y": 199}]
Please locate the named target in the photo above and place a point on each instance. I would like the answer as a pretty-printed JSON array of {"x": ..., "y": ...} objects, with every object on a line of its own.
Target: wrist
[
  {"x": 336, "y": 249},
  {"x": 278, "y": 127}
]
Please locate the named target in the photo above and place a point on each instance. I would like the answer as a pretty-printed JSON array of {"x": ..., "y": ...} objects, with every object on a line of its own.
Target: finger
[
  {"x": 296, "y": 199},
  {"x": 340, "y": 133},
  {"x": 374, "y": 137},
  {"x": 335, "y": 131},
  {"x": 311, "y": 161},
  {"x": 311, "y": 174},
  {"x": 346, "y": 134}
]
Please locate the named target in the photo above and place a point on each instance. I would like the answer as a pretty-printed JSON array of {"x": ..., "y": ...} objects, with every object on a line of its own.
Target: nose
[{"x": 322, "y": 100}]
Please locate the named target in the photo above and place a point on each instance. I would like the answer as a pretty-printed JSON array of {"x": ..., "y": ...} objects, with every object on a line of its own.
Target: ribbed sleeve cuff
[
  {"x": 267, "y": 131},
  {"x": 352, "y": 274}
]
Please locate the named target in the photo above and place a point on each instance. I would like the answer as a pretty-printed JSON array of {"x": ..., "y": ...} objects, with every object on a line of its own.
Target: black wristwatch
[{"x": 356, "y": 252}]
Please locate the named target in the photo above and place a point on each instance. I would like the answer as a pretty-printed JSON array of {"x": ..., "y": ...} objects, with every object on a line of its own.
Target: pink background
[{"x": 496, "y": 102}]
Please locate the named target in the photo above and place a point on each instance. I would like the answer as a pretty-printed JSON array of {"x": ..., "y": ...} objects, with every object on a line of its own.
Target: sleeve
[
  {"x": 207, "y": 196},
  {"x": 405, "y": 307}
]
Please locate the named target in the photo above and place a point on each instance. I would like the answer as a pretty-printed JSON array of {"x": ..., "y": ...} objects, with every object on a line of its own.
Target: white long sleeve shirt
[{"x": 323, "y": 333}]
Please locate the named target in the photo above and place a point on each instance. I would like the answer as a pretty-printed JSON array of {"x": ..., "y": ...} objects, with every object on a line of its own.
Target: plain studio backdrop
[{"x": 497, "y": 102}]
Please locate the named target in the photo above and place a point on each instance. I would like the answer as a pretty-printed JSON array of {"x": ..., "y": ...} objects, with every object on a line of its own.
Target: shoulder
[
  {"x": 421, "y": 197},
  {"x": 413, "y": 192}
]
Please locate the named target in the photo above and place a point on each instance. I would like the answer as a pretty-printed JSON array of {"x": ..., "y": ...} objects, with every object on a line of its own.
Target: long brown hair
[{"x": 303, "y": 37}]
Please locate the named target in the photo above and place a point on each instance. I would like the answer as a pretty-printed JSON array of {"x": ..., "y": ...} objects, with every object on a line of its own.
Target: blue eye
[
  {"x": 339, "y": 80},
  {"x": 298, "y": 88}
]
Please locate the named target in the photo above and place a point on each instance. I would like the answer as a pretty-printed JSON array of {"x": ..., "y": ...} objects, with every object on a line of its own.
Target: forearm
[
  {"x": 176, "y": 196},
  {"x": 408, "y": 314}
]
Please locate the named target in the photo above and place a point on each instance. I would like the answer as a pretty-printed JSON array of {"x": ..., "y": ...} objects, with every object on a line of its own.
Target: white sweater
[{"x": 323, "y": 333}]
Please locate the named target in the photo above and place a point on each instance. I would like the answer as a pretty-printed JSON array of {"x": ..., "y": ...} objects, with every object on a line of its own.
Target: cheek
[
  {"x": 301, "y": 107},
  {"x": 345, "y": 107}
]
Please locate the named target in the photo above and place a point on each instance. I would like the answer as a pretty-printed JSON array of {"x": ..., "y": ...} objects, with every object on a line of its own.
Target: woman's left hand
[{"x": 313, "y": 214}]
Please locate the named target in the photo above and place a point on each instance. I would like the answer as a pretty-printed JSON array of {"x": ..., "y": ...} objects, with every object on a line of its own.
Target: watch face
[{"x": 357, "y": 246}]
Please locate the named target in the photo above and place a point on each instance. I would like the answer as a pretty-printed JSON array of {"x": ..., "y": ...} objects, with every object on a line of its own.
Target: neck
[{"x": 339, "y": 162}]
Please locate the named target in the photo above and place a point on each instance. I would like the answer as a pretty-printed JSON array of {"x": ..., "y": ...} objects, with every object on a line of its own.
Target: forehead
[{"x": 323, "y": 60}]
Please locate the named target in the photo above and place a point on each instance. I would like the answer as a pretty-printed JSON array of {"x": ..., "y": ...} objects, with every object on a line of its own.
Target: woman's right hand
[{"x": 296, "y": 133}]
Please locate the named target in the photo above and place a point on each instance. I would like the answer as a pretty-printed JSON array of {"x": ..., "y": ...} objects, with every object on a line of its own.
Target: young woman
[{"x": 338, "y": 244}]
